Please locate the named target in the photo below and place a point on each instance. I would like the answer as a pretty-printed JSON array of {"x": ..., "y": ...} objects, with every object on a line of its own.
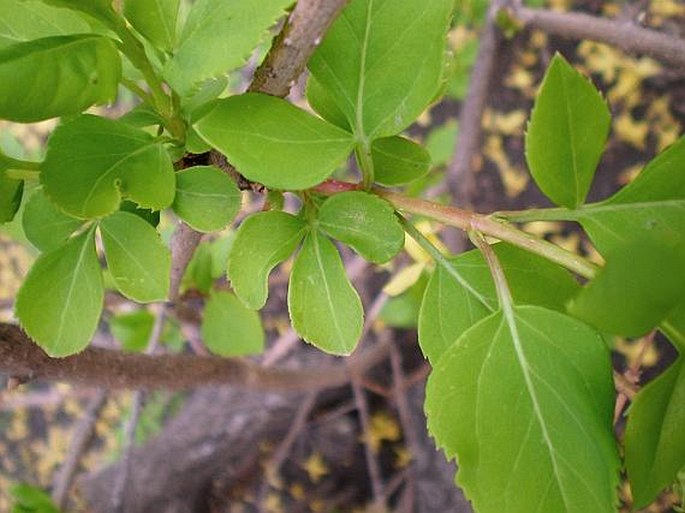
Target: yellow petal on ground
[
  {"x": 315, "y": 467},
  {"x": 631, "y": 131},
  {"x": 404, "y": 279}
]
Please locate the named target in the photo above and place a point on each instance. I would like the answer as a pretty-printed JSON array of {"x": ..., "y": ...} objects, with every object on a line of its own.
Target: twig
[
  {"x": 399, "y": 387},
  {"x": 632, "y": 375},
  {"x": 460, "y": 179},
  {"x": 371, "y": 461},
  {"x": 628, "y": 37},
  {"x": 82, "y": 437},
  {"x": 294, "y": 45},
  {"x": 137, "y": 403},
  {"x": 467, "y": 220},
  {"x": 279, "y": 457}
]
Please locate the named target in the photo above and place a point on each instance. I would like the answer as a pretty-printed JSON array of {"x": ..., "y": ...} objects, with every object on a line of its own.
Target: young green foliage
[
  {"x": 652, "y": 203},
  {"x": 31, "y": 499},
  {"x": 566, "y": 135},
  {"x": 123, "y": 162},
  {"x": 655, "y": 438},
  {"x": 263, "y": 241},
  {"x": 63, "y": 316},
  {"x": 132, "y": 329},
  {"x": 101, "y": 10},
  {"x": 364, "y": 222},
  {"x": 11, "y": 192},
  {"x": 217, "y": 37},
  {"x": 154, "y": 19},
  {"x": 382, "y": 62},
  {"x": 533, "y": 395},
  {"x": 57, "y": 76},
  {"x": 397, "y": 160},
  {"x": 229, "y": 328},
  {"x": 136, "y": 257},
  {"x": 24, "y": 20},
  {"x": 206, "y": 198},
  {"x": 641, "y": 283},
  {"x": 45, "y": 226},
  {"x": 273, "y": 142},
  {"x": 461, "y": 292},
  {"x": 325, "y": 310}
]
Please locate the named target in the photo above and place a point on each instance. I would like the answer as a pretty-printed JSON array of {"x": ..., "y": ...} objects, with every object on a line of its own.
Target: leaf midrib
[{"x": 72, "y": 286}]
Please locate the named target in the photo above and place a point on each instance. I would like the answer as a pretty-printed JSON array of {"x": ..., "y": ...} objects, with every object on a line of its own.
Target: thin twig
[
  {"x": 284, "y": 448},
  {"x": 371, "y": 461},
  {"x": 460, "y": 178},
  {"x": 632, "y": 375},
  {"x": 630, "y": 38},
  {"x": 81, "y": 440},
  {"x": 399, "y": 387},
  {"x": 137, "y": 404}
]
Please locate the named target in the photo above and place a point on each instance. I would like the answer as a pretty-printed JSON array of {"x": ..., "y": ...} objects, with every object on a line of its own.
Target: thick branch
[
  {"x": 294, "y": 45},
  {"x": 626, "y": 36},
  {"x": 20, "y": 357}
]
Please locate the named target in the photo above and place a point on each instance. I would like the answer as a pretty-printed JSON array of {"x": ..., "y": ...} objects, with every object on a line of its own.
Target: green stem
[
  {"x": 440, "y": 259},
  {"x": 538, "y": 214},
  {"x": 22, "y": 174},
  {"x": 137, "y": 90},
  {"x": 673, "y": 334},
  {"x": 161, "y": 101},
  {"x": 8, "y": 163},
  {"x": 498, "y": 276},
  {"x": 365, "y": 160},
  {"x": 468, "y": 221}
]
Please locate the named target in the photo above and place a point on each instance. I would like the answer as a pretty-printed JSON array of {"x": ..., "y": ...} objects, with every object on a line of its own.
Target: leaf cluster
[{"x": 521, "y": 390}]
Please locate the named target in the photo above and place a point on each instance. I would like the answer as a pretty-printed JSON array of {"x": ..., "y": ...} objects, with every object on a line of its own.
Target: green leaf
[
  {"x": 566, "y": 135},
  {"x": 441, "y": 142},
  {"x": 262, "y": 242},
  {"x": 373, "y": 40},
  {"x": 99, "y": 9},
  {"x": 206, "y": 198},
  {"x": 641, "y": 283},
  {"x": 198, "y": 274},
  {"x": 57, "y": 76},
  {"x": 403, "y": 311},
  {"x": 364, "y": 222},
  {"x": 324, "y": 105},
  {"x": 204, "y": 49},
  {"x": 655, "y": 438},
  {"x": 138, "y": 260},
  {"x": 325, "y": 310},
  {"x": 151, "y": 217},
  {"x": 462, "y": 294},
  {"x": 11, "y": 192},
  {"x": 653, "y": 203},
  {"x": 45, "y": 225},
  {"x": 23, "y": 20},
  {"x": 154, "y": 19},
  {"x": 91, "y": 162},
  {"x": 229, "y": 328},
  {"x": 397, "y": 160},
  {"x": 525, "y": 401},
  {"x": 675, "y": 327},
  {"x": 133, "y": 329},
  {"x": 31, "y": 499},
  {"x": 273, "y": 142},
  {"x": 60, "y": 302}
]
